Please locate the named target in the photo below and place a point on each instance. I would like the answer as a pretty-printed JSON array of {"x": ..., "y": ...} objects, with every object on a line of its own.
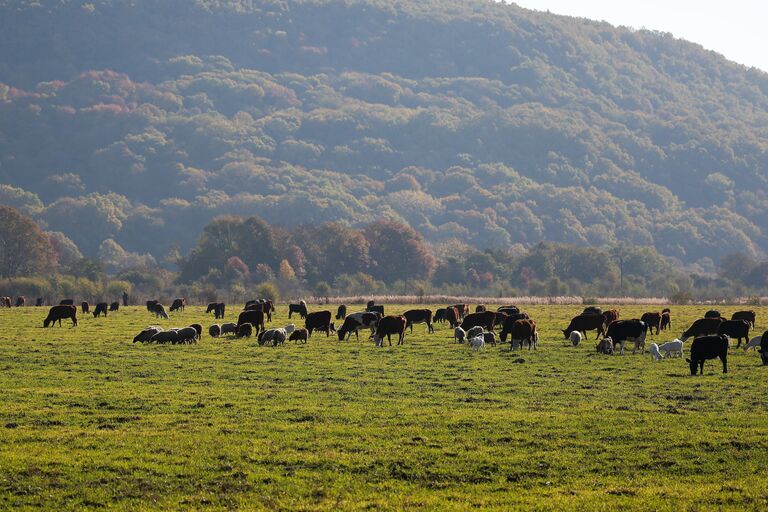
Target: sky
[{"x": 737, "y": 29}]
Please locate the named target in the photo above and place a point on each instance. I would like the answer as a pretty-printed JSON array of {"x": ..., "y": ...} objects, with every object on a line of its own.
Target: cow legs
[
  {"x": 724, "y": 359},
  {"x": 430, "y": 329}
]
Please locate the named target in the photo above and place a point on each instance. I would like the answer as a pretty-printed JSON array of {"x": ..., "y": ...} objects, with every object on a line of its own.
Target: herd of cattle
[{"x": 711, "y": 334}]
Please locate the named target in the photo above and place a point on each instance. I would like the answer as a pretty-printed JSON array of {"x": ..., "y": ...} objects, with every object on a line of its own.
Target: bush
[{"x": 268, "y": 291}]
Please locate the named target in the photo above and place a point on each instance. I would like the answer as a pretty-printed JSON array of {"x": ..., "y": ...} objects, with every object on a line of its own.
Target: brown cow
[
  {"x": 299, "y": 335},
  {"x": 609, "y": 316},
  {"x": 178, "y": 304},
  {"x": 652, "y": 320},
  {"x": 462, "y": 310},
  {"x": 749, "y": 316},
  {"x": 452, "y": 315},
  {"x": 666, "y": 321},
  {"x": 702, "y": 327},
  {"x": 58, "y": 313},
  {"x": 388, "y": 326},
  {"x": 419, "y": 316},
  {"x": 524, "y": 331},
  {"x": 584, "y": 323}
]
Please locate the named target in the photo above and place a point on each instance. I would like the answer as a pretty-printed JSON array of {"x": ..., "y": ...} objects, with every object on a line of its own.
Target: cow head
[
  {"x": 566, "y": 333},
  {"x": 693, "y": 365}
]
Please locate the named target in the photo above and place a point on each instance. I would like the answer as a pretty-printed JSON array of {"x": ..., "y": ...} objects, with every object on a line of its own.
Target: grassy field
[{"x": 88, "y": 420}]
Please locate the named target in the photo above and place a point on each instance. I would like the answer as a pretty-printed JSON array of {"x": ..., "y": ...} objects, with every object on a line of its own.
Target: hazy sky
[{"x": 736, "y": 28}]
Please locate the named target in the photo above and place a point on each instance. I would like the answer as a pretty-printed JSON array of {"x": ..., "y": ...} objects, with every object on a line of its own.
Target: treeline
[
  {"x": 240, "y": 257},
  {"x": 496, "y": 126}
]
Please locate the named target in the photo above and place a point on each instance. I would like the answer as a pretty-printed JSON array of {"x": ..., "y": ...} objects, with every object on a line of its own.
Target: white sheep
[
  {"x": 477, "y": 343},
  {"x": 655, "y": 354},
  {"x": 674, "y": 348},
  {"x": 575, "y": 338},
  {"x": 475, "y": 331},
  {"x": 753, "y": 343},
  {"x": 459, "y": 335}
]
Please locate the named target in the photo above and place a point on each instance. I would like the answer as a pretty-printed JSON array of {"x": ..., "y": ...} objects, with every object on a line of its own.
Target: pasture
[{"x": 89, "y": 420}]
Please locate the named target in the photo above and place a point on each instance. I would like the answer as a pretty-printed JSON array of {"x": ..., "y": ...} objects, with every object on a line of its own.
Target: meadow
[{"x": 89, "y": 420}]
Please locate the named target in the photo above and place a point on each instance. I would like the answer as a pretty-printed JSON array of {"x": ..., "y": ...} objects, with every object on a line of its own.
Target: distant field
[{"x": 88, "y": 420}]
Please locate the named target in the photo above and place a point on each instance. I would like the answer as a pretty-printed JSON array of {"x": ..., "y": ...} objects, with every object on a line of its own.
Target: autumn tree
[
  {"x": 398, "y": 251},
  {"x": 24, "y": 249}
]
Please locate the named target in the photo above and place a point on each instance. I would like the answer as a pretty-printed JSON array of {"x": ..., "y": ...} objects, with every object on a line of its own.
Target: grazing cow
[
  {"x": 169, "y": 336},
  {"x": 146, "y": 335},
  {"x": 592, "y": 310},
  {"x": 266, "y": 306},
  {"x": 273, "y": 337},
  {"x": 666, "y": 321},
  {"x": 245, "y": 330},
  {"x": 605, "y": 346},
  {"x": 199, "y": 329},
  {"x": 509, "y": 310},
  {"x": 388, "y": 326},
  {"x": 736, "y": 329},
  {"x": 708, "y": 347},
  {"x": 214, "y": 331},
  {"x": 300, "y": 308},
  {"x": 299, "y": 335},
  {"x": 158, "y": 309},
  {"x": 217, "y": 308},
  {"x": 490, "y": 338},
  {"x": 654, "y": 351},
  {"x": 85, "y": 307},
  {"x": 341, "y": 312},
  {"x": 59, "y": 313},
  {"x": 477, "y": 343},
  {"x": 652, "y": 320},
  {"x": 459, "y": 335},
  {"x": 39, "y": 302},
  {"x": 255, "y": 318},
  {"x": 356, "y": 321},
  {"x": 101, "y": 309},
  {"x": 672, "y": 348},
  {"x": 178, "y": 305},
  {"x": 462, "y": 310},
  {"x": 584, "y": 323},
  {"x": 712, "y": 313},
  {"x": 702, "y": 327},
  {"x": 229, "y": 328},
  {"x": 419, "y": 316},
  {"x": 486, "y": 320},
  {"x": 452, "y": 316},
  {"x": 622, "y": 331},
  {"x": 439, "y": 316},
  {"x": 21, "y": 301},
  {"x": 318, "y": 321},
  {"x": 749, "y": 316},
  {"x": 575, "y": 338},
  {"x": 509, "y": 323},
  {"x": 115, "y": 306},
  {"x": 67, "y": 302},
  {"x": 610, "y": 316},
  {"x": 764, "y": 348},
  {"x": 375, "y": 309},
  {"x": 150, "y": 305},
  {"x": 480, "y": 308},
  {"x": 523, "y": 331},
  {"x": 500, "y": 317}
]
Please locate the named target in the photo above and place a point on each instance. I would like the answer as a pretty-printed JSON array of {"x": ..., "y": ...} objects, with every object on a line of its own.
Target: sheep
[
  {"x": 575, "y": 338},
  {"x": 490, "y": 338},
  {"x": 273, "y": 337},
  {"x": 199, "y": 329},
  {"x": 299, "y": 335},
  {"x": 229, "y": 328},
  {"x": 459, "y": 335},
  {"x": 753, "y": 343},
  {"x": 477, "y": 343},
  {"x": 169, "y": 336},
  {"x": 655, "y": 354},
  {"x": 245, "y": 330},
  {"x": 214, "y": 331},
  {"x": 475, "y": 331},
  {"x": 187, "y": 335},
  {"x": 605, "y": 346},
  {"x": 146, "y": 335},
  {"x": 289, "y": 328},
  {"x": 674, "y": 348}
]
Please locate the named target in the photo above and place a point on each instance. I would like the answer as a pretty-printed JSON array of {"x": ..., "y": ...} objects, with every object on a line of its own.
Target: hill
[{"x": 495, "y": 125}]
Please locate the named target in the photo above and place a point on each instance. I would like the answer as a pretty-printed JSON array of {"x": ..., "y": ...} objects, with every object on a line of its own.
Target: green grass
[{"x": 90, "y": 420}]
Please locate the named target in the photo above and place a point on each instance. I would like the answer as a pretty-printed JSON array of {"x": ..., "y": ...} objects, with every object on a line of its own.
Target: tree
[
  {"x": 399, "y": 252},
  {"x": 24, "y": 249}
]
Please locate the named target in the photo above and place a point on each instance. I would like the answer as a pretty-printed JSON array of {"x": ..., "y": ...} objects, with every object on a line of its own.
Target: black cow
[
  {"x": 158, "y": 309},
  {"x": 39, "y": 302},
  {"x": 115, "y": 306},
  {"x": 356, "y": 321},
  {"x": 708, "y": 347},
  {"x": 712, "y": 313},
  {"x": 419, "y": 316},
  {"x": 510, "y": 310},
  {"x": 341, "y": 312},
  {"x": 318, "y": 321},
  {"x": 67, "y": 302},
  {"x": 255, "y": 318},
  {"x": 178, "y": 304},
  {"x": 300, "y": 308},
  {"x": 21, "y": 301},
  {"x": 86, "y": 308},
  {"x": 622, "y": 331},
  {"x": 388, "y": 326},
  {"x": 749, "y": 316},
  {"x": 486, "y": 320},
  {"x": 702, "y": 327},
  {"x": 218, "y": 309},
  {"x": 584, "y": 323},
  {"x": 592, "y": 310},
  {"x": 652, "y": 320},
  {"x": 439, "y": 316},
  {"x": 764, "y": 348},
  {"x": 375, "y": 309},
  {"x": 736, "y": 329},
  {"x": 666, "y": 321},
  {"x": 101, "y": 309},
  {"x": 58, "y": 313}
]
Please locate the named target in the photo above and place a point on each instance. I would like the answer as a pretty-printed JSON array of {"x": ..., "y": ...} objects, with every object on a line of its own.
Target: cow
[
  {"x": 21, "y": 301},
  {"x": 341, "y": 312},
  {"x": 500, "y": 317},
  {"x": 300, "y": 308},
  {"x": 584, "y": 323},
  {"x": 218, "y": 309},
  {"x": 267, "y": 307},
  {"x": 158, "y": 309},
  {"x": 486, "y": 320},
  {"x": 439, "y": 316},
  {"x": 255, "y": 318},
  {"x": 522, "y": 331},
  {"x": 101, "y": 309},
  {"x": 652, "y": 320},
  {"x": 299, "y": 335},
  {"x": 151, "y": 304},
  {"x": 712, "y": 313},
  {"x": 462, "y": 310},
  {"x": 609, "y": 316},
  {"x": 708, "y": 347},
  {"x": 59, "y": 313},
  {"x": 356, "y": 321},
  {"x": 85, "y": 307},
  {"x": 509, "y": 323},
  {"x": 592, "y": 310},
  {"x": 666, "y": 321},
  {"x": 749, "y": 316},
  {"x": 622, "y": 331},
  {"x": 480, "y": 308},
  {"x": 736, "y": 329},
  {"x": 452, "y": 316},
  {"x": 146, "y": 335},
  {"x": 419, "y": 316},
  {"x": 373, "y": 308},
  {"x": 509, "y": 310},
  {"x": 318, "y": 321},
  {"x": 764, "y": 348},
  {"x": 115, "y": 306},
  {"x": 702, "y": 327},
  {"x": 6, "y": 302},
  {"x": 67, "y": 302},
  {"x": 178, "y": 305},
  {"x": 388, "y": 326},
  {"x": 369, "y": 304}
]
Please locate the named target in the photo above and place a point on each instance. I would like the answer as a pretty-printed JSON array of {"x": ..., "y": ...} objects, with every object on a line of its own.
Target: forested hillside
[{"x": 140, "y": 121}]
